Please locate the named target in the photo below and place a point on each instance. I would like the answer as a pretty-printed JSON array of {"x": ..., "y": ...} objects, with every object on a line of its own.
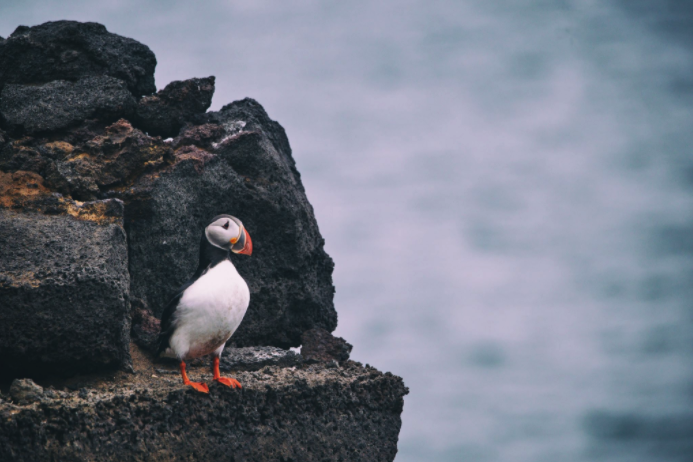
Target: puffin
[{"x": 206, "y": 311}]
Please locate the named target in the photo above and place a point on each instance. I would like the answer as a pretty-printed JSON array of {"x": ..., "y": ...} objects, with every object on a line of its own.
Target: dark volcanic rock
[
  {"x": 320, "y": 345},
  {"x": 25, "y": 391},
  {"x": 109, "y": 160},
  {"x": 64, "y": 291},
  {"x": 316, "y": 414},
  {"x": 110, "y": 157},
  {"x": 26, "y": 192},
  {"x": 145, "y": 326},
  {"x": 21, "y": 189},
  {"x": 60, "y": 104},
  {"x": 70, "y": 50},
  {"x": 254, "y": 358},
  {"x": 23, "y": 155},
  {"x": 248, "y": 173},
  {"x": 166, "y": 112},
  {"x": 202, "y": 136}
]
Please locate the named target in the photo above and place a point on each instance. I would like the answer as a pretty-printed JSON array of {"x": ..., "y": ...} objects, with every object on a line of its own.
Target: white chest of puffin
[{"x": 207, "y": 310}]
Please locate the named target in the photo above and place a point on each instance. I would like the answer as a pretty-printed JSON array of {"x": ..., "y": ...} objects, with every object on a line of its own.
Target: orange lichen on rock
[
  {"x": 27, "y": 191},
  {"x": 102, "y": 212},
  {"x": 197, "y": 155},
  {"x": 122, "y": 154},
  {"x": 60, "y": 148},
  {"x": 19, "y": 279},
  {"x": 20, "y": 187}
]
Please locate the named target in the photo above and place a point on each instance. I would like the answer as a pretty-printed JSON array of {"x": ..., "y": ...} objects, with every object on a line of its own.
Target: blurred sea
[{"x": 505, "y": 187}]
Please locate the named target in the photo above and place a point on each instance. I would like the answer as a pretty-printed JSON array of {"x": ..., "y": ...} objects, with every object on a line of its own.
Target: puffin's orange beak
[{"x": 248, "y": 247}]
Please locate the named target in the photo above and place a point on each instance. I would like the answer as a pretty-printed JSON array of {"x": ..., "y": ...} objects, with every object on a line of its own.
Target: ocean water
[{"x": 505, "y": 187}]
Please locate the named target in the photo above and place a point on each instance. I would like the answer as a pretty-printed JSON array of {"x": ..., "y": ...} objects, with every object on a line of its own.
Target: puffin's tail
[{"x": 164, "y": 338}]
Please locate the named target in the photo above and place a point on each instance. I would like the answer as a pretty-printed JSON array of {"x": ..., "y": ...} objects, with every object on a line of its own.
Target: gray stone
[
  {"x": 255, "y": 358},
  {"x": 350, "y": 414},
  {"x": 319, "y": 345},
  {"x": 64, "y": 288},
  {"x": 25, "y": 391},
  {"x": 61, "y": 104},
  {"x": 145, "y": 326},
  {"x": 71, "y": 50},
  {"x": 100, "y": 157},
  {"x": 165, "y": 113},
  {"x": 244, "y": 168},
  {"x": 113, "y": 158}
]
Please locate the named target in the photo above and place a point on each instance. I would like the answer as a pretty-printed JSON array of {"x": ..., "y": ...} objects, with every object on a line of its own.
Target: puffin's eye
[{"x": 226, "y": 225}]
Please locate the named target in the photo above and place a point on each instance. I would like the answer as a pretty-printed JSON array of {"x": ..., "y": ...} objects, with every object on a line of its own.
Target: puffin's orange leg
[
  {"x": 199, "y": 386},
  {"x": 233, "y": 383}
]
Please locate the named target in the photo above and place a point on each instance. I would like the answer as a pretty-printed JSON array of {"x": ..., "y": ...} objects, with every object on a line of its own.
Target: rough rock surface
[
  {"x": 70, "y": 50},
  {"x": 108, "y": 160},
  {"x": 25, "y": 391},
  {"x": 165, "y": 113},
  {"x": 306, "y": 413},
  {"x": 64, "y": 290},
  {"x": 319, "y": 345},
  {"x": 145, "y": 327},
  {"x": 235, "y": 161},
  {"x": 88, "y": 160},
  {"x": 254, "y": 358},
  {"x": 60, "y": 104}
]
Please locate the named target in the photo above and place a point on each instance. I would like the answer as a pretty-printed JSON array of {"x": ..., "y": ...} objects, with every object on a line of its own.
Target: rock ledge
[{"x": 305, "y": 413}]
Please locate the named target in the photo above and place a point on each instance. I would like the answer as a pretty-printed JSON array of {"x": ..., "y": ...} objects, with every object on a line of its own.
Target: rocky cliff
[{"x": 105, "y": 186}]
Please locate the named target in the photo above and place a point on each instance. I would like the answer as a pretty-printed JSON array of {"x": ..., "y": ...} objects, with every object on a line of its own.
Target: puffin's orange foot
[
  {"x": 199, "y": 386},
  {"x": 233, "y": 383}
]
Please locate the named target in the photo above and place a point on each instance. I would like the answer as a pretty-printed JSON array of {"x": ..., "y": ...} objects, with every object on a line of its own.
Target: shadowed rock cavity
[
  {"x": 71, "y": 50},
  {"x": 145, "y": 327}
]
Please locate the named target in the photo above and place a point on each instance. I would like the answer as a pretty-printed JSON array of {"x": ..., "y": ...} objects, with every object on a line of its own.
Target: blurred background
[{"x": 505, "y": 187}]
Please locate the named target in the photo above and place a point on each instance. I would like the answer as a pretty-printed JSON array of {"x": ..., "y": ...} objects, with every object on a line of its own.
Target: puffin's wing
[{"x": 168, "y": 318}]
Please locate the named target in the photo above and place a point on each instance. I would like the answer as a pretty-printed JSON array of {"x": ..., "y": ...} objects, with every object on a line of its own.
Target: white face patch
[{"x": 223, "y": 233}]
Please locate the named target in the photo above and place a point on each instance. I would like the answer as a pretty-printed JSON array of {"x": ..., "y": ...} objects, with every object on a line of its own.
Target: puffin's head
[{"x": 228, "y": 233}]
